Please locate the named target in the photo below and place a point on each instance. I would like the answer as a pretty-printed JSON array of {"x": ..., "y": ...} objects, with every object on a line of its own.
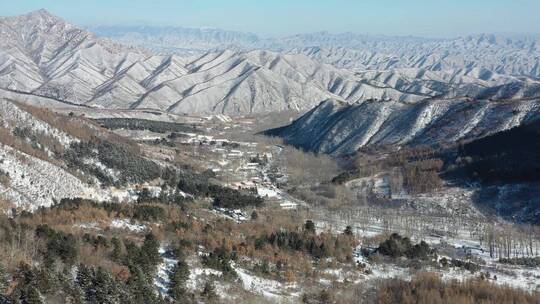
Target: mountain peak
[{"x": 43, "y": 15}]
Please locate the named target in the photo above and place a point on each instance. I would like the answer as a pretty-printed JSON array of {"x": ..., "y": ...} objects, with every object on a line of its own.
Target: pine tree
[
  {"x": 72, "y": 292},
  {"x": 178, "y": 279},
  {"x": 75, "y": 294},
  {"x": 26, "y": 289},
  {"x": 4, "y": 280},
  {"x": 105, "y": 287},
  {"x": 348, "y": 230},
  {"x": 117, "y": 249},
  {"x": 32, "y": 296},
  {"x": 16, "y": 296},
  {"x": 141, "y": 287},
  {"x": 265, "y": 267},
  {"x": 125, "y": 294},
  {"x": 46, "y": 280},
  {"x": 309, "y": 226},
  {"x": 26, "y": 275},
  {"x": 209, "y": 291},
  {"x": 150, "y": 252},
  {"x": 84, "y": 279}
]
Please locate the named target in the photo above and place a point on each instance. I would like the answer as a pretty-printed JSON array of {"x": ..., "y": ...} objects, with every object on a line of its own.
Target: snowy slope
[
  {"x": 36, "y": 175},
  {"x": 34, "y": 182},
  {"x": 336, "y": 127}
]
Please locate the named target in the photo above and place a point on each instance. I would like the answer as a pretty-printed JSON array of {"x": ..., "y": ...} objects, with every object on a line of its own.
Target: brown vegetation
[
  {"x": 74, "y": 126},
  {"x": 413, "y": 169},
  {"x": 430, "y": 289},
  {"x": 20, "y": 144},
  {"x": 306, "y": 168},
  {"x": 422, "y": 176}
]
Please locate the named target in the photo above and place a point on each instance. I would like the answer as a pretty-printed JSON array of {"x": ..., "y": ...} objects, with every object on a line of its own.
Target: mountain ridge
[
  {"x": 43, "y": 55},
  {"x": 338, "y": 128},
  {"x": 360, "y": 51}
]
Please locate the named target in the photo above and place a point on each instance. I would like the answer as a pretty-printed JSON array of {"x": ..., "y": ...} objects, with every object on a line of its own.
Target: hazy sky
[{"x": 434, "y": 18}]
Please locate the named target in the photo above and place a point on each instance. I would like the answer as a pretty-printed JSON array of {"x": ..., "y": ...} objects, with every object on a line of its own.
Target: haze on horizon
[{"x": 424, "y": 18}]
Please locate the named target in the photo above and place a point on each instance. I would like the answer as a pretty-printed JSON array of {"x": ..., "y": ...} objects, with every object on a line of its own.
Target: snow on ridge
[
  {"x": 96, "y": 72},
  {"x": 348, "y": 127},
  {"x": 12, "y": 116}
]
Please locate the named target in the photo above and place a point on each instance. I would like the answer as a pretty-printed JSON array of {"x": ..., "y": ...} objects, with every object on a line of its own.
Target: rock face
[
  {"x": 43, "y": 55},
  {"x": 339, "y": 128}
]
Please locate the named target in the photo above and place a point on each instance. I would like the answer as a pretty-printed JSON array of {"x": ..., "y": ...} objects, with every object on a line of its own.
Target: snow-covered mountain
[
  {"x": 339, "y": 128},
  {"x": 180, "y": 40},
  {"x": 511, "y": 55},
  {"x": 46, "y": 56},
  {"x": 517, "y": 56},
  {"x": 43, "y": 55}
]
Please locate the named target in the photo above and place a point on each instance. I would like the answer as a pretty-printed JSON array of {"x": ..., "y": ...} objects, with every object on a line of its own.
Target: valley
[
  {"x": 174, "y": 165},
  {"x": 449, "y": 220}
]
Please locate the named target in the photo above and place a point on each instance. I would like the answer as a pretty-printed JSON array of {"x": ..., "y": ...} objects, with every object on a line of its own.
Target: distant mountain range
[
  {"x": 516, "y": 55},
  {"x": 180, "y": 40},
  {"x": 40, "y": 54}
]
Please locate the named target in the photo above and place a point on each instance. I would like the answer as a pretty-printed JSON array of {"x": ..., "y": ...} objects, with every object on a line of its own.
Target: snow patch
[{"x": 126, "y": 224}]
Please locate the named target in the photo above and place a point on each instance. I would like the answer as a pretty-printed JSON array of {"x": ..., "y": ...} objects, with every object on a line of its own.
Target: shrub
[
  {"x": 528, "y": 262},
  {"x": 470, "y": 266},
  {"x": 428, "y": 288},
  {"x": 200, "y": 185},
  {"x": 422, "y": 176},
  {"x": 317, "y": 246},
  {"x": 398, "y": 246},
  {"x": 231, "y": 198},
  {"x": 220, "y": 259},
  {"x": 59, "y": 244},
  {"x": 148, "y": 212},
  {"x": 144, "y": 124}
]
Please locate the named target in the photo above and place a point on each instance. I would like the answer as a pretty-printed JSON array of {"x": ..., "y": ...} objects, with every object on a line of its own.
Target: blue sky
[{"x": 432, "y": 18}]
